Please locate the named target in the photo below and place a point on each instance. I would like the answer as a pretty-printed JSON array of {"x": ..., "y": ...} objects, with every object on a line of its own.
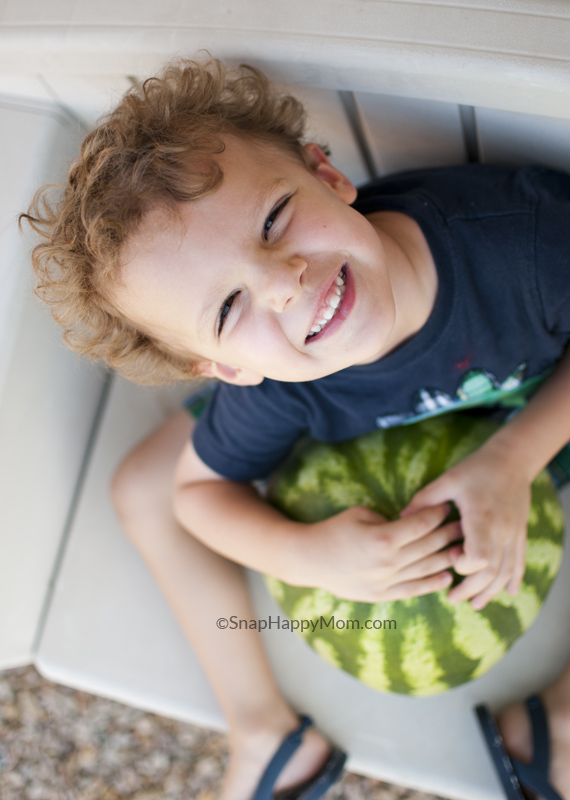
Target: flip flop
[
  {"x": 513, "y": 773},
  {"x": 311, "y": 789}
]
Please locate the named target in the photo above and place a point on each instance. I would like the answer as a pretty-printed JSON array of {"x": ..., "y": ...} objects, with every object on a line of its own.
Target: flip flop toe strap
[
  {"x": 503, "y": 765},
  {"x": 318, "y": 786},
  {"x": 512, "y": 772},
  {"x": 540, "y": 738},
  {"x": 535, "y": 781},
  {"x": 283, "y": 754},
  {"x": 535, "y": 775}
]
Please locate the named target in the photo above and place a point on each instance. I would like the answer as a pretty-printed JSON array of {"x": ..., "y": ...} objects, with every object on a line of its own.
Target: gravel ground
[{"x": 60, "y": 744}]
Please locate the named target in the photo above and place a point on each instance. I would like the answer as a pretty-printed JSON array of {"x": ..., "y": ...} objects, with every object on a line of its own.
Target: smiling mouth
[{"x": 331, "y": 304}]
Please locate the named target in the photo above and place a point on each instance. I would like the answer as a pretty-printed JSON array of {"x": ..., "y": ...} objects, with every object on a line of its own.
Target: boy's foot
[
  {"x": 252, "y": 753},
  {"x": 514, "y": 725}
]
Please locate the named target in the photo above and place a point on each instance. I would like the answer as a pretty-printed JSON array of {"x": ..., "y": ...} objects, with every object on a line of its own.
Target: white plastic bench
[{"x": 389, "y": 85}]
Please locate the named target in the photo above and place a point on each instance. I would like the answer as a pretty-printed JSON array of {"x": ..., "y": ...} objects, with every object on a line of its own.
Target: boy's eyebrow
[
  {"x": 265, "y": 195},
  {"x": 211, "y": 309}
]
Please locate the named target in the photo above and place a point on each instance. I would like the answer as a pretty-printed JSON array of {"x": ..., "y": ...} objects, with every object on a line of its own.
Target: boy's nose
[{"x": 283, "y": 282}]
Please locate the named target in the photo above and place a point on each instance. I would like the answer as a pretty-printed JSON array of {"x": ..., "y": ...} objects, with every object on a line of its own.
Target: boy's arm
[
  {"x": 491, "y": 488},
  {"x": 356, "y": 554}
]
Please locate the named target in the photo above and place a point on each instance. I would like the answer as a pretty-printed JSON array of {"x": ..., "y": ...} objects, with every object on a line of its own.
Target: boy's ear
[
  {"x": 235, "y": 375},
  {"x": 329, "y": 175}
]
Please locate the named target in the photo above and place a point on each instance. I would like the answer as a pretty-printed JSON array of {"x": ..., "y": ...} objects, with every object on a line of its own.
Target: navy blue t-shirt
[{"x": 501, "y": 321}]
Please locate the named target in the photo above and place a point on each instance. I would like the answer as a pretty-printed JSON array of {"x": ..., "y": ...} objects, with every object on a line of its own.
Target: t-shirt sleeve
[
  {"x": 245, "y": 432},
  {"x": 552, "y": 248}
]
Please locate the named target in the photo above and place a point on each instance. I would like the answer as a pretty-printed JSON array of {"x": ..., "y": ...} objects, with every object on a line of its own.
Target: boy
[{"x": 197, "y": 235}]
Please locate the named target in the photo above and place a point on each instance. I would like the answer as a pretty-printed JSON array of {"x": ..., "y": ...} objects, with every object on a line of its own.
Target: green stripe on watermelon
[{"x": 436, "y": 645}]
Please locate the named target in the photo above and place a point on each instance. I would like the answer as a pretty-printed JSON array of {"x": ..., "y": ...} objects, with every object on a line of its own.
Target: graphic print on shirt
[{"x": 477, "y": 388}]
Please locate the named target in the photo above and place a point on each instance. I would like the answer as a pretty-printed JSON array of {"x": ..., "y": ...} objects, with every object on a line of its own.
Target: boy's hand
[
  {"x": 493, "y": 497},
  {"x": 358, "y": 555}
]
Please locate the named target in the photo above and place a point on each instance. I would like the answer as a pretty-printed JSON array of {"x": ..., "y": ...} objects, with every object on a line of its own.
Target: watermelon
[{"x": 422, "y": 645}]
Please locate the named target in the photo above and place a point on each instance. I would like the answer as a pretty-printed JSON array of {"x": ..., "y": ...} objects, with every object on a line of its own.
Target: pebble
[{"x": 60, "y": 744}]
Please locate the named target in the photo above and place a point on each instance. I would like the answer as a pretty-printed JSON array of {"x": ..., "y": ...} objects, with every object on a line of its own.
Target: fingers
[
  {"x": 509, "y": 576},
  {"x": 476, "y": 587},
  {"x": 426, "y": 564},
  {"x": 433, "y": 494},
  {"x": 416, "y": 525},
  {"x": 415, "y": 588},
  {"x": 433, "y": 544},
  {"x": 430, "y": 565},
  {"x": 481, "y": 587},
  {"x": 408, "y": 553},
  {"x": 413, "y": 555},
  {"x": 469, "y": 563},
  {"x": 519, "y": 567},
  {"x": 493, "y": 588},
  {"x": 483, "y": 540},
  {"x": 494, "y": 514}
]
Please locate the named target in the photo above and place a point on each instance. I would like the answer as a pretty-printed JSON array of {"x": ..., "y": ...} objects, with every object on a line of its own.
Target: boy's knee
[
  {"x": 135, "y": 489},
  {"x": 142, "y": 485},
  {"x": 124, "y": 487}
]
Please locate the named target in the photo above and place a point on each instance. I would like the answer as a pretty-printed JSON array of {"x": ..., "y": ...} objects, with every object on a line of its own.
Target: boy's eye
[
  {"x": 273, "y": 216},
  {"x": 224, "y": 310}
]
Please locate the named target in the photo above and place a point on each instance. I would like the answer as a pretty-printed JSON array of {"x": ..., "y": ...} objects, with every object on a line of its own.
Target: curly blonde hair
[{"x": 155, "y": 148}]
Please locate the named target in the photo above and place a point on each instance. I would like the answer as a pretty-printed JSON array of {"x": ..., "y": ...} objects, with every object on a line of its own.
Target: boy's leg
[
  {"x": 515, "y": 728},
  {"x": 202, "y": 586}
]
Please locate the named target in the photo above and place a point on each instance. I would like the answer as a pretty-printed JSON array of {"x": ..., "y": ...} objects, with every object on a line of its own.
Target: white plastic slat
[
  {"x": 88, "y": 96},
  {"x": 405, "y": 133},
  {"x": 495, "y": 54},
  {"x": 512, "y": 139},
  {"x": 47, "y": 399},
  {"x": 28, "y": 87},
  {"x": 327, "y": 124}
]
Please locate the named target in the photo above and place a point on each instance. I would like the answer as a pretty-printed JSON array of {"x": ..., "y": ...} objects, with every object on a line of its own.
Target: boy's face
[{"x": 273, "y": 275}]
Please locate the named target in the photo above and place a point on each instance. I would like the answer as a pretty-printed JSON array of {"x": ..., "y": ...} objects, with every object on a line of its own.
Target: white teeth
[{"x": 333, "y": 303}]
